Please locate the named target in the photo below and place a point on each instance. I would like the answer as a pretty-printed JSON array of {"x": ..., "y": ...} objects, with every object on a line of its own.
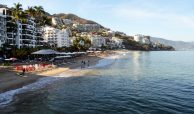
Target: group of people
[{"x": 85, "y": 64}]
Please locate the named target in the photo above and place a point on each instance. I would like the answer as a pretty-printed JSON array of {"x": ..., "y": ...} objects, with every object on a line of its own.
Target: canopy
[
  {"x": 62, "y": 57},
  {"x": 80, "y": 52},
  {"x": 45, "y": 52},
  {"x": 64, "y": 53}
]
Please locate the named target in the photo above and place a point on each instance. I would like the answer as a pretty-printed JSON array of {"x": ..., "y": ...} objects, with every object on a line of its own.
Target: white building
[
  {"x": 111, "y": 33},
  {"x": 56, "y": 37},
  {"x": 142, "y": 39},
  {"x": 39, "y": 37},
  {"x": 21, "y": 34},
  {"x": 146, "y": 40},
  {"x": 138, "y": 38},
  {"x": 67, "y": 21},
  {"x": 87, "y": 27},
  {"x": 2, "y": 29},
  {"x": 57, "y": 21},
  {"x": 26, "y": 36},
  {"x": 117, "y": 42},
  {"x": 97, "y": 41},
  {"x": 6, "y": 34}
]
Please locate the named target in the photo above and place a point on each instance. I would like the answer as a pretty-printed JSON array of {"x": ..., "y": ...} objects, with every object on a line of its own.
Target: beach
[{"x": 9, "y": 80}]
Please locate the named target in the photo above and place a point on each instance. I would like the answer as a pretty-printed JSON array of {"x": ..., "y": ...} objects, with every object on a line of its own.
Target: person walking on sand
[
  {"x": 82, "y": 64},
  {"x": 24, "y": 70},
  {"x": 88, "y": 63}
]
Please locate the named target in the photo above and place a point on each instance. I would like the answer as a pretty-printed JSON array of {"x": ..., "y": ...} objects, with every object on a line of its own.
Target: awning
[
  {"x": 62, "y": 57},
  {"x": 45, "y": 52}
]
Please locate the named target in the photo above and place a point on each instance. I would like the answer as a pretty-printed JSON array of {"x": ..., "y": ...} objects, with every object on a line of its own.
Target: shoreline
[{"x": 10, "y": 81}]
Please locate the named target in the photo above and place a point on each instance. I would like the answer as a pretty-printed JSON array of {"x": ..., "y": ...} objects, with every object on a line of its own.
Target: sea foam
[{"x": 7, "y": 97}]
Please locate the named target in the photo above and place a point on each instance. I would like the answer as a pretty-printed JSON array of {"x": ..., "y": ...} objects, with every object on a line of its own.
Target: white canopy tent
[
  {"x": 64, "y": 53},
  {"x": 58, "y": 57},
  {"x": 45, "y": 52}
]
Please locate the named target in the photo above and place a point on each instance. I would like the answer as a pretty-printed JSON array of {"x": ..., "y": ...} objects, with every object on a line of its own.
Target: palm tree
[
  {"x": 39, "y": 15},
  {"x": 31, "y": 11},
  {"x": 17, "y": 11},
  {"x": 18, "y": 14},
  {"x": 39, "y": 11}
]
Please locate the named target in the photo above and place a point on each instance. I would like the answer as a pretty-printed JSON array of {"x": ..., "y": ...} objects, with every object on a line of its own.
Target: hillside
[
  {"x": 74, "y": 18},
  {"x": 178, "y": 45}
]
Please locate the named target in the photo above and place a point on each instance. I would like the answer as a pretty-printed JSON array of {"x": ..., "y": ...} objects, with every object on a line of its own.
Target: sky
[{"x": 169, "y": 19}]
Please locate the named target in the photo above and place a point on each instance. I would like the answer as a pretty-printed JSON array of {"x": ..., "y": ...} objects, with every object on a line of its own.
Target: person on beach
[
  {"x": 88, "y": 63},
  {"x": 82, "y": 64},
  {"x": 23, "y": 71}
]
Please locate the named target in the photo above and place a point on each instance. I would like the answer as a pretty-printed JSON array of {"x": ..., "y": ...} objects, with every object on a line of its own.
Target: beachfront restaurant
[{"x": 44, "y": 54}]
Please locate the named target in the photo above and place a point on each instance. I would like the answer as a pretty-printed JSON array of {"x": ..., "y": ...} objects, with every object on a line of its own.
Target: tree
[
  {"x": 17, "y": 11},
  {"x": 82, "y": 43},
  {"x": 31, "y": 11},
  {"x": 39, "y": 11}
]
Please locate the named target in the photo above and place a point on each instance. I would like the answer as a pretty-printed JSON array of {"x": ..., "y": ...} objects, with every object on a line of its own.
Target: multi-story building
[
  {"x": 26, "y": 33},
  {"x": 56, "y": 37},
  {"x": 39, "y": 37},
  {"x": 9, "y": 28},
  {"x": 116, "y": 42},
  {"x": 142, "y": 39},
  {"x": 87, "y": 27},
  {"x": 67, "y": 21},
  {"x": 97, "y": 41},
  {"x": 2, "y": 29},
  {"x": 57, "y": 21},
  {"x": 21, "y": 34}
]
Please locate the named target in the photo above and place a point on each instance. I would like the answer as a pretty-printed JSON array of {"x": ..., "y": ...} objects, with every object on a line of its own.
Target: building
[
  {"x": 8, "y": 27},
  {"x": 56, "y": 37},
  {"x": 87, "y": 27},
  {"x": 2, "y": 29},
  {"x": 39, "y": 37},
  {"x": 26, "y": 33},
  {"x": 138, "y": 38},
  {"x": 57, "y": 21},
  {"x": 67, "y": 21},
  {"x": 18, "y": 33},
  {"x": 111, "y": 33},
  {"x": 97, "y": 41},
  {"x": 146, "y": 40},
  {"x": 142, "y": 39},
  {"x": 116, "y": 42}
]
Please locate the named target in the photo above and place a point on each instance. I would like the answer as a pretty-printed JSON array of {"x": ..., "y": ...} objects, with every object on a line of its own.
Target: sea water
[{"x": 133, "y": 82}]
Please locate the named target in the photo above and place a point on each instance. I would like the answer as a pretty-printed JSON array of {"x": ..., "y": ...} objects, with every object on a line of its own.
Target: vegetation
[
  {"x": 17, "y": 11},
  {"x": 82, "y": 43}
]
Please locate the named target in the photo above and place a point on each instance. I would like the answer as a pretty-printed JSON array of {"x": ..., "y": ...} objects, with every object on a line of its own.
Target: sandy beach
[{"x": 9, "y": 79}]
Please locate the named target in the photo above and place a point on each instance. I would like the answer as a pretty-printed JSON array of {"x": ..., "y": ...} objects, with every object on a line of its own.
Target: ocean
[{"x": 132, "y": 82}]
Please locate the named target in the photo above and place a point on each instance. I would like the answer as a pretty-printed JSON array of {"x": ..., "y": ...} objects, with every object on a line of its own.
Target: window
[{"x": 3, "y": 12}]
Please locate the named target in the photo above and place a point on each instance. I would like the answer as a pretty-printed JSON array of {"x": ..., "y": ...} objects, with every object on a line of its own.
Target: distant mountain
[
  {"x": 178, "y": 45},
  {"x": 74, "y": 18}
]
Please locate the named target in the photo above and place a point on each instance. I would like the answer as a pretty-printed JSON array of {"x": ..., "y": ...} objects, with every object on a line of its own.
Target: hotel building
[
  {"x": 2, "y": 29},
  {"x": 18, "y": 33},
  {"x": 56, "y": 37}
]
